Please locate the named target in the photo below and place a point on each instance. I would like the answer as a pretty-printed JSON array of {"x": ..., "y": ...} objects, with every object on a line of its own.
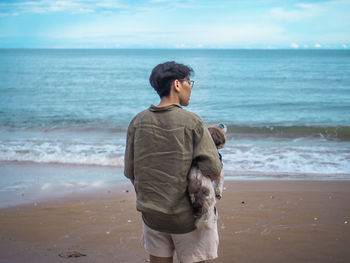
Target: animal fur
[
  {"x": 202, "y": 193},
  {"x": 202, "y": 190}
]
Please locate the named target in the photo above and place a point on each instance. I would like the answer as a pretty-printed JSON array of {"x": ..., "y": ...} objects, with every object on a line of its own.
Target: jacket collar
[{"x": 166, "y": 108}]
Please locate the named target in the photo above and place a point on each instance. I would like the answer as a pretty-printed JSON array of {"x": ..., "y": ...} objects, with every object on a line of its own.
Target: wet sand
[{"x": 259, "y": 221}]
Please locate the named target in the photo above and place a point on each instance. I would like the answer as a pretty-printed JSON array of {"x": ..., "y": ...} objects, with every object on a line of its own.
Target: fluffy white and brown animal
[{"x": 202, "y": 190}]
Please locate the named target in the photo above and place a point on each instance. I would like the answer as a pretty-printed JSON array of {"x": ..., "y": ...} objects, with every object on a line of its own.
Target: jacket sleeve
[
  {"x": 205, "y": 154},
  {"x": 129, "y": 153}
]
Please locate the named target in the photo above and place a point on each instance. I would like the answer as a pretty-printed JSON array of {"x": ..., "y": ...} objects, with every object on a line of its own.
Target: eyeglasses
[{"x": 190, "y": 82}]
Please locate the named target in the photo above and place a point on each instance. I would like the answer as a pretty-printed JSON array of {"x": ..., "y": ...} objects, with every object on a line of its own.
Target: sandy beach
[{"x": 259, "y": 221}]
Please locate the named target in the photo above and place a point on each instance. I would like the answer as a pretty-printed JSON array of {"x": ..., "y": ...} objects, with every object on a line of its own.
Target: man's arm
[
  {"x": 129, "y": 154},
  {"x": 205, "y": 153}
]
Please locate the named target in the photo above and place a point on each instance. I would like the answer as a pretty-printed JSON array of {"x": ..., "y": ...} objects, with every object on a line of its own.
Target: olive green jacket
[{"x": 162, "y": 144}]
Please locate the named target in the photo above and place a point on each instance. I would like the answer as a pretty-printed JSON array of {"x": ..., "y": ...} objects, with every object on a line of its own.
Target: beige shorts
[{"x": 195, "y": 246}]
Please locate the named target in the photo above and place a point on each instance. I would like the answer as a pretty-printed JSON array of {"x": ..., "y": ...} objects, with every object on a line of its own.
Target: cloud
[
  {"x": 110, "y": 30},
  {"x": 167, "y": 23},
  {"x": 67, "y": 6},
  {"x": 160, "y": 1},
  {"x": 344, "y": 46},
  {"x": 317, "y": 45},
  {"x": 180, "y": 45},
  {"x": 299, "y": 12},
  {"x": 236, "y": 34},
  {"x": 48, "y": 6}
]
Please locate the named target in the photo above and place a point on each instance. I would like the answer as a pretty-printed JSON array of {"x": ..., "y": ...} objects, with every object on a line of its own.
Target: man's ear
[{"x": 177, "y": 85}]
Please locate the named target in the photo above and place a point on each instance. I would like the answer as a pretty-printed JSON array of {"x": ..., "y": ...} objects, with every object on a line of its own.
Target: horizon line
[{"x": 165, "y": 48}]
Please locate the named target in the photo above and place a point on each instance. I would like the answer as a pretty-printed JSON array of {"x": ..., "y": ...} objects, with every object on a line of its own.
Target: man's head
[{"x": 170, "y": 74}]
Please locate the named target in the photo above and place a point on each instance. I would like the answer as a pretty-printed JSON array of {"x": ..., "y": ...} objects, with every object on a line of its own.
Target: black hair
[{"x": 163, "y": 76}]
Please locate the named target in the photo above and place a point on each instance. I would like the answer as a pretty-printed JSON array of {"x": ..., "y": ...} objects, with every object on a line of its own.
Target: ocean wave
[
  {"x": 66, "y": 126},
  {"x": 287, "y": 158},
  {"x": 62, "y": 152},
  {"x": 239, "y": 156},
  {"x": 341, "y": 133}
]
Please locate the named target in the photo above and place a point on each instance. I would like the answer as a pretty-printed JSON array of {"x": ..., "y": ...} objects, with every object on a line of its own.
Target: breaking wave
[{"x": 340, "y": 133}]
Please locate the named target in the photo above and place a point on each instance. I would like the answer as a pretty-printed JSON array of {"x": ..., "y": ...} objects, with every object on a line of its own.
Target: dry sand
[{"x": 259, "y": 221}]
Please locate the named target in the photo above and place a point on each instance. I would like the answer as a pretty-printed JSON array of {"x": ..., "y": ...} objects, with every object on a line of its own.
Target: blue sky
[{"x": 175, "y": 24}]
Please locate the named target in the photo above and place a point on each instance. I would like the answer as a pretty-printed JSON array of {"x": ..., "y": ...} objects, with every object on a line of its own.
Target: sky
[{"x": 248, "y": 24}]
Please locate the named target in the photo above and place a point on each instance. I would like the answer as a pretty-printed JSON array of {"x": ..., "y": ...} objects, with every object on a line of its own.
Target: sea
[{"x": 64, "y": 112}]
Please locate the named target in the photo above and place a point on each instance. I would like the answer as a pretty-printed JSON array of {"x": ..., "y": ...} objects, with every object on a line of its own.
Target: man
[{"x": 162, "y": 143}]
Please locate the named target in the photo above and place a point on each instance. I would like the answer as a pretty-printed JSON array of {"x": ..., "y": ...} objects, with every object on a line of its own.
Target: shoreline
[
  {"x": 259, "y": 221},
  {"x": 26, "y": 182}
]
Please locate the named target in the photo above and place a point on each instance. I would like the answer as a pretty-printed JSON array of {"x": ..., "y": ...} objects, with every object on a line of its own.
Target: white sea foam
[
  {"x": 64, "y": 152},
  {"x": 286, "y": 158},
  {"x": 240, "y": 157}
]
